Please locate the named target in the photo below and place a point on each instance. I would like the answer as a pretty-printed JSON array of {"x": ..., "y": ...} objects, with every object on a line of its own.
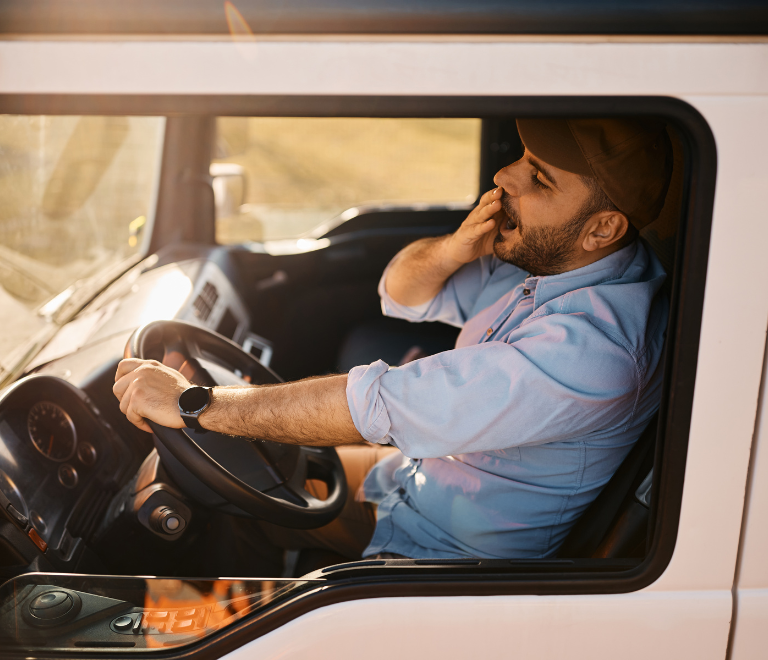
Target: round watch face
[{"x": 194, "y": 399}]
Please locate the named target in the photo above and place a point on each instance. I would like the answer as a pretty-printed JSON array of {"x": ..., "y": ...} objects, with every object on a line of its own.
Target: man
[{"x": 506, "y": 439}]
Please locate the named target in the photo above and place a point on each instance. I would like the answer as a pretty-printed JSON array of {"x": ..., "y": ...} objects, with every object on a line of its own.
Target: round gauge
[
  {"x": 52, "y": 431},
  {"x": 86, "y": 452}
]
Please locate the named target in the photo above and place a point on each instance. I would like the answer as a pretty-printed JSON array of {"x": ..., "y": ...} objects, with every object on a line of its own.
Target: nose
[{"x": 506, "y": 178}]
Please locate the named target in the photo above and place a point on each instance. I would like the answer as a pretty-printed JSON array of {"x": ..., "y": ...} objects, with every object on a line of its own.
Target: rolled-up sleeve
[
  {"x": 454, "y": 303},
  {"x": 562, "y": 379}
]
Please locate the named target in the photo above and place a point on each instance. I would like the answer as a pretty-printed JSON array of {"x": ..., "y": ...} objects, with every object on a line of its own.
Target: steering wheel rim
[{"x": 287, "y": 502}]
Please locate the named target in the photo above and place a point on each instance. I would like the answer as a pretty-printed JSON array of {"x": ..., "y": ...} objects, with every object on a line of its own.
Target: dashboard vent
[
  {"x": 85, "y": 521},
  {"x": 205, "y": 301}
]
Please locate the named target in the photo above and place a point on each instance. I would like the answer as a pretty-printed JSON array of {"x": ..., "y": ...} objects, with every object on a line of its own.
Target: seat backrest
[{"x": 661, "y": 234}]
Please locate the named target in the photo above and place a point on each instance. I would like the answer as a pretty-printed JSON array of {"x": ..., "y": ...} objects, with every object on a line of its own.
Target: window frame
[{"x": 540, "y": 577}]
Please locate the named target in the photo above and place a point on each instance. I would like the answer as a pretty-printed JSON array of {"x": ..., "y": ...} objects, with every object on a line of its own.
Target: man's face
[{"x": 543, "y": 204}]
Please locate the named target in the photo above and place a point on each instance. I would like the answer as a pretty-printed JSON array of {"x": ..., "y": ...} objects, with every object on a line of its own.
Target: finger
[
  {"x": 490, "y": 209},
  {"x": 118, "y": 389},
  {"x": 484, "y": 227},
  {"x": 125, "y": 401},
  {"x": 138, "y": 421},
  {"x": 500, "y": 217},
  {"x": 482, "y": 213},
  {"x": 488, "y": 197},
  {"x": 127, "y": 366},
  {"x": 121, "y": 386}
]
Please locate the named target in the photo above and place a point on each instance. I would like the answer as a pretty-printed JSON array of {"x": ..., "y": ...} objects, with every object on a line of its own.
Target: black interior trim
[
  {"x": 185, "y": 189},
  {"x": 693, "y": 239},
  {"x": 116, "y": 17}
]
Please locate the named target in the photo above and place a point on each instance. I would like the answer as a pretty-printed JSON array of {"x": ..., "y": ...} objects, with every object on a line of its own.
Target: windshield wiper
[{"x": 73, "y": 299}]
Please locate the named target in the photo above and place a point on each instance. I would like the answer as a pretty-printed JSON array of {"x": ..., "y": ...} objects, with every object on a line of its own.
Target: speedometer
[{"x": 52, "y": 431}]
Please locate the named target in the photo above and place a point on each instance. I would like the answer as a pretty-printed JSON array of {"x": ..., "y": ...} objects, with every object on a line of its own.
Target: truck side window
[{"x": 278, "y": 178}]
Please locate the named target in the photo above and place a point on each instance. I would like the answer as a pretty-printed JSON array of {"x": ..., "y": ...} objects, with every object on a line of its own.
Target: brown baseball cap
[{"x": 631, "y": 158}]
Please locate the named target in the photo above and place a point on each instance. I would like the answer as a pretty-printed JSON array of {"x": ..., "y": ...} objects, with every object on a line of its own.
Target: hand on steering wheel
[{"x": 263, "y": 479}]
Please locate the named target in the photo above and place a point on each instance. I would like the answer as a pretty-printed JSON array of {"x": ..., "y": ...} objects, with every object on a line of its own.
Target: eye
[{"x": 537, "y": 182}]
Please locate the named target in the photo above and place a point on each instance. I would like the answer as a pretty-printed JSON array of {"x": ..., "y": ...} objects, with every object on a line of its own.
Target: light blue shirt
[{"x": 508, "y": 437}]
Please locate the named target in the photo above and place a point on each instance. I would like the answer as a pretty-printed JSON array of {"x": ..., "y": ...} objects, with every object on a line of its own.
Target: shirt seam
[
  {"x": 635, "y": 357},
  {"x": 638, "y": 394},
  {"x": 572, "y": 494}
]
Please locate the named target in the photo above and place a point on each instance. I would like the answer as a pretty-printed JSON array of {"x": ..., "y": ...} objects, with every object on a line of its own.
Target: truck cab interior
[{"x": 233, "y": 279}]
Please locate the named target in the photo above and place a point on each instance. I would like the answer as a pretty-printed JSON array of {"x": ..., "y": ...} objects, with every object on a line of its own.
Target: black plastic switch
[
  {"x": 123, "y": 623},
  {"x": 17, "y": 516}
]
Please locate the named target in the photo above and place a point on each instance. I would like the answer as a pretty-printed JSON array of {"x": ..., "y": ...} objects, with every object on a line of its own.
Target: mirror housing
[{"x": 228, "y": 181}]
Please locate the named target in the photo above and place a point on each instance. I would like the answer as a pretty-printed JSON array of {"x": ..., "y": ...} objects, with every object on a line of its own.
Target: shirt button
[
  {"x": 489, "y": 331},
  {"x": 526, "y": 292}
]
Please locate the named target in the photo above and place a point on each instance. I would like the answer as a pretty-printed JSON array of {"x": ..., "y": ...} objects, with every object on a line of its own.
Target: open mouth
[{"x": 511, "y": 222}]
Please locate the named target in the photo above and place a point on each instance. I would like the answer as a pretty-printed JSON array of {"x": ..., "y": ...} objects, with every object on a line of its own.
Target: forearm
[
  {"x": 306, "y": 412},
  {"x": 420, "y": 271}
]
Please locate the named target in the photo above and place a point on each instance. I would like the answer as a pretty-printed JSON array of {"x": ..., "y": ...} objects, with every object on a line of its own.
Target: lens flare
[
  {"x": 238, "y": 27},
  {"x": 240, "y": 32}
]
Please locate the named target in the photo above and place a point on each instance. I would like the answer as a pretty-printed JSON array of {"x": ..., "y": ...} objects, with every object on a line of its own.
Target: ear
[{"x": 603, "y": 229}]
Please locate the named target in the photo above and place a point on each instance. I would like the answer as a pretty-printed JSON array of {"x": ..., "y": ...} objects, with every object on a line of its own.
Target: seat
[{"x": 616, "y": 523}]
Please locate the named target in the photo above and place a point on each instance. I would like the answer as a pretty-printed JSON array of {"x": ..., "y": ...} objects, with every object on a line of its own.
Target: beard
[{"x": 540, "y": 251}]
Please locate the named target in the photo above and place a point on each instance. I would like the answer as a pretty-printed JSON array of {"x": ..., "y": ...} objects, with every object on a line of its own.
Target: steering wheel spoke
[
  {"x": 185, "y": 357},
  {"x": 315, "y": 464}
]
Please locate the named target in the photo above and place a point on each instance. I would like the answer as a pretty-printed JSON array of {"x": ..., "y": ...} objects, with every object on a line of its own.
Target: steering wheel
[{"x": 262, "y": 479}]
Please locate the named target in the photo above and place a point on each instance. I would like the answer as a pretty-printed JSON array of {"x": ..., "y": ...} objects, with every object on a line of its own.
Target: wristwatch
[{"x": 193, "y": 402}]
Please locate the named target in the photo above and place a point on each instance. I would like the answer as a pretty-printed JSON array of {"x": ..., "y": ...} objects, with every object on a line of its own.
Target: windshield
[{"x": 76, "y": 197}]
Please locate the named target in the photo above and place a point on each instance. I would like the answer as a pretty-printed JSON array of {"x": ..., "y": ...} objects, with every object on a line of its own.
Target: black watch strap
[{"x": 193, "y": 402}]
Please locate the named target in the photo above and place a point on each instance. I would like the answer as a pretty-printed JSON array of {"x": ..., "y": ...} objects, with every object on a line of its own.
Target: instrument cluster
[
  {"x": 54, "y": 451},
  {"x": 54, "y": 435}
]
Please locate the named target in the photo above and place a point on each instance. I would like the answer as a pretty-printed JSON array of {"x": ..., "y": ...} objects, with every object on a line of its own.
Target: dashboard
[
  {"x": 60, "y": 460},
  {"x": 66, "y": 451},
  {"x": 196, "y": 290}
]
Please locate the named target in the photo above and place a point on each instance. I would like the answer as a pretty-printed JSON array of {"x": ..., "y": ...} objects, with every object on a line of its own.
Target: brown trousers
[{"x": 350, "y": 533}]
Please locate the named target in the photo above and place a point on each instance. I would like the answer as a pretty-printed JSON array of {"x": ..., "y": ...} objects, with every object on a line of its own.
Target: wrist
[
  {"x": 452, "y": 254},
  {"x": 193, "y": 402},
  {"x": 208, "y": 418}
]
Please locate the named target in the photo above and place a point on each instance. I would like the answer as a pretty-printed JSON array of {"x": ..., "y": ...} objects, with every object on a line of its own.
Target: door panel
[{"x": 630, "y": 626}]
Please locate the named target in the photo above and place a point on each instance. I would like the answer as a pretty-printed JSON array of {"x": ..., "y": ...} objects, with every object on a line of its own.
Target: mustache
[{"x": 509, "y": 209}]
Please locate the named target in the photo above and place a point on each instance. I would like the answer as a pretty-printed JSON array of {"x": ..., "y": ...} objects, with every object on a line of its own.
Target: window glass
[
  {"x": 278, "y": 178},
  {"x": 76, "y": 197}
]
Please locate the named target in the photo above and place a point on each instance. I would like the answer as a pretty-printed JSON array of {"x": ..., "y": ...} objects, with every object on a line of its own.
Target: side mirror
[{"x": 229, "y": 188}]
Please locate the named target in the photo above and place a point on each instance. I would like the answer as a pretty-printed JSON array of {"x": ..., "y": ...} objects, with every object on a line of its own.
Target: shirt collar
[{"x": 612, "y": 267}]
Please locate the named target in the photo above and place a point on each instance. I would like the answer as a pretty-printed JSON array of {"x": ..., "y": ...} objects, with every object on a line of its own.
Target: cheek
[
  {"x": 533, "y": 212},
  {"x": 539, "y": 211}
]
